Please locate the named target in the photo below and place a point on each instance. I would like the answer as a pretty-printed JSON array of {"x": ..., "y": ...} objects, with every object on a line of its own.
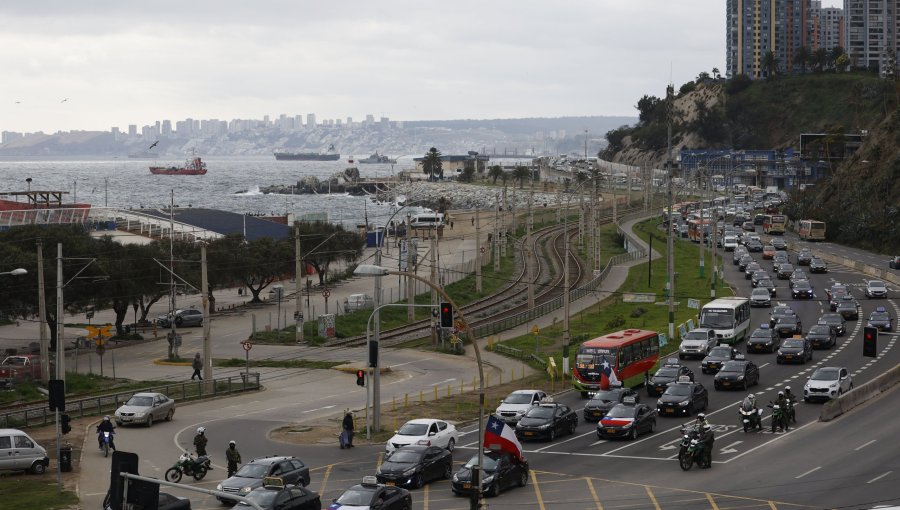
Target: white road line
[
  {"x": 879, "y": 477},
  {"x": 566, "y": 441},
  {"x": 410, "y": 362},
  {"x": 810, "y": 471},
  {"x": 860, "y": 447},
  {"x": 595, "y": 443}
]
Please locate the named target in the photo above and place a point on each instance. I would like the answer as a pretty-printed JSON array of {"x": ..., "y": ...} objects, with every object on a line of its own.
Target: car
[
  {"x": 739, "y": 252},
  {"x": 19, "y": 452},
  {"x": 671, "y": 371},
  {"x": 778, "y": 260},
  {"x": 697, "y": 343},
  {"x": 784, "y": 271},
  {"x": 794, "y": 350},
  {"x": 827, "y": 383},
  {"x": 717, "y": 357},
  {"x": 804, "y": 257},
  {"x": 744, "y": 261},
  {"x": 517, "y": 403},
  {"x": 683, "y": 230},
  {"x": 802, "y": 290},
  {"x": 424, "y": 431},
  {"x": 414, "y": 465},
  {"x": 629, "y": 420},
  {"x": 748, "y": 226},
  {"x": 750, "y": 269},
  {"x": 778, "y": 312},
  {"x": 276, "y": 495},
  {"x": 762, "y": 274},
  {"x": 768, "y": 252},
  {"x": 769, "y": 285},
  {"x": 355, "y": 302},
  {"x": 797, "y": 275},
  {"x": 501, "y": 471},
  {"x": 183, "y": 318},
  {"x": 754, "y": 246},
  {"x": 817, "y": 265},
  {"x": 371, "y": 495},
  {"x": 894, "y": 262},
  {"x": 778, "y": 243},
  {"x": 729, "y": 243},
  {"x": 821, "y": 336},
  {"x": 251, "y": 475},
  {"x": 789, "y": 325},
  {"x": 604, "y": 400},
  {"x": 753, "y": 236},
  {"x": 835, "y": 321},
  {"x": 738, "y": 374},
  {"x": 760, "y": 297},
  {"x": 875, "y": 289},
  {"x": 144, "y": 409},
  {"x": 759, "y": 219},
  {"x": 547, "y": 420},
  {"x": 682, "y": 398},
  {"x": 881, "y": 319},
  {"x": 848, "y": 308},
  {"x": 835, "y": 293},
  {"x": 763, "y": 339}
]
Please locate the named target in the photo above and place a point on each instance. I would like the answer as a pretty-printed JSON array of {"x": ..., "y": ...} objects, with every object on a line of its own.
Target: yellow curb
[{"x": 172, "y": 363}]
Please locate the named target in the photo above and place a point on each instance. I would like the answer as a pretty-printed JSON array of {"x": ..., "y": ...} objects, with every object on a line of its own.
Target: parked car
[
  {"x": 19, "y": 452},
  {"x": 144, "y": 409},
  {"x": 427, "y": 431},
  {"x": 183, "y": 318},
  {"x": 827, "y": 383},
  {"x": 355, "y": 302}
]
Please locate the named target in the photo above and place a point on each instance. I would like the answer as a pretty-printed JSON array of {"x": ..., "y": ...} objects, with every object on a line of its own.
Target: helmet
[
  {"x": 706, "y": 427},
  {"x": 780, "y": 393},
  {"x": 787, "y": 388},
  {"x": 231, "y": 442},
  {"x": 201, "y": 430},
  {"x": 751, "y": 397},
  {"x": 701, "y": 416},
  {"x": 106, "y": 418}
]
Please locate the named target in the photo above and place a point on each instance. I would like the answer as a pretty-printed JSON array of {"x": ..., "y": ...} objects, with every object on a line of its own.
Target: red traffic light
[
  {"x": 870, "y": 342},
  {"x": 360, "y": 377}
]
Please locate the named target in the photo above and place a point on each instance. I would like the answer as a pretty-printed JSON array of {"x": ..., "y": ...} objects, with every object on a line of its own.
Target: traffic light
[
  {"x": 360, "y": 377},
  {"x": 870, "y": 342},
  {"x": 64, "y": 423},
  {"x": 446, "y": 313},
  {"x": 57, "y": 390}
]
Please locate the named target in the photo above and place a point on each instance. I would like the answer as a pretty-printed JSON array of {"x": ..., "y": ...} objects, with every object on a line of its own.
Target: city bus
[
  {"x": 774, "y": 224},
  {"x": 729, "y": 317},
  {"x": 698, "y": 229},
  {"x": 812, "y": 230},
  {"x": 626, "y": 353}
]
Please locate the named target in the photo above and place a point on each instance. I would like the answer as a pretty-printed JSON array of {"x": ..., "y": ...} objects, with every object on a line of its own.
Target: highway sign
[
  {"x": 247, "y": 346},
  {"x": 326, "y": 293}
]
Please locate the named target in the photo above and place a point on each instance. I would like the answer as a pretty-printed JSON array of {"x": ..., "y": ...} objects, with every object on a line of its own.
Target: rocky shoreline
[{"x": 461, "y": 195}]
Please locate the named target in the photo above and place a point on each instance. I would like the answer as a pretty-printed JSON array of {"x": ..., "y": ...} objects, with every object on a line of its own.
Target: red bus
[
  {"x": 625, "y": 353},
  {"x": 698, "y": 230}
]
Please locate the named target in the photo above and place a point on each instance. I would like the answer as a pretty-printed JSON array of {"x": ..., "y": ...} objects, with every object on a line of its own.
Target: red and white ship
[{"x": 193, "y": 166}]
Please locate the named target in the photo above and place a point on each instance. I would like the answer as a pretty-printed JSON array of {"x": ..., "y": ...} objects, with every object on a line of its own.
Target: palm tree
[
  {"x": 431, "y": 164},
  {"x": 520, "y": 174},
  {"x": 770, "y": 64},
  {"x": 504, "y": 176},
  {"x": 820, "y": 59},
  {"x": 803, "y": 58},
  {"x": 716, "y": 74},
  {"x": 495, "y": 172}
]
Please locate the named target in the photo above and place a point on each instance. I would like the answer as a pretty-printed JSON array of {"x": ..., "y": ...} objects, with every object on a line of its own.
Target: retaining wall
[{"x": 860, "y": 394}]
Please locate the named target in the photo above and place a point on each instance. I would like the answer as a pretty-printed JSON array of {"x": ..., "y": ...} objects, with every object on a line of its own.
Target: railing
[
  {"x": 40, "y": 415},
  {"x": 509, "y": 351}
]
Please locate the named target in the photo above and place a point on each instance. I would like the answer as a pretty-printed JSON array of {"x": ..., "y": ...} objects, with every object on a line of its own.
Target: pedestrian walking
[
  {"x": 473, "y": 222},
  {"x": 233, "y": 456},
  {"x": 347, "y": 431},
  {"x": 200, "y": 441},
  {"x": 197, "y": 364}
]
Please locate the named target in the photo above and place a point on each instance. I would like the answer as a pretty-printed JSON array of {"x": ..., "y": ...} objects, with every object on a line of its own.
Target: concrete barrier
[
  {"x": 860, "y": 394},
  {"x": 882, "y": 273}
]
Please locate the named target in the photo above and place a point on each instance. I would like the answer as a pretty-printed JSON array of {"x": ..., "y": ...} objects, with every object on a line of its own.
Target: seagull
[
  {"x": 154, "y": 145},
  {"x": 64, "y": 100}
]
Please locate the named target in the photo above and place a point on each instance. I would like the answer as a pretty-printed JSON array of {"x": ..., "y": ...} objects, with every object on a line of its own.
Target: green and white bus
[{"x": 729, "y": 317}]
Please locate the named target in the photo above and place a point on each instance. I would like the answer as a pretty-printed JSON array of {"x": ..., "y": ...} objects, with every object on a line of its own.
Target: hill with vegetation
[{"x": 860, "y": 199}]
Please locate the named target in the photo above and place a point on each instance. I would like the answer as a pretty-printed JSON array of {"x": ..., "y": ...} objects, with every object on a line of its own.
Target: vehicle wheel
[
  {"x": 448, "y": 471},
  {"x": 170, "y": 414},
  {"x": 38, "y": 468},
  {"x": 840, "y": 392},
  {"x": 685, "y": 461},
  {"x": 451, "y": 444},
  {"x": 150, "y": 420},
  {"x": 495, "y": 489},
  {"x": 173, "y": 475},
  {"x": 572, "y": 427},
  {"x": 106, "y": 449},
  {"x": 418, "y": 482},
  {"x": 633, "y": 433},
  {"x": 523, "y": 479},
  {"x": 106, "y": 500},
  {"x": 179, "y": 321},
  {"x": 851, "y": 385},
  {"x": 744, "y": 386},
  {"x": 653, "y": 426},
  {"x": 746, "y": 427},
  {"x": 199, "y": 473},
  {"x": 552, "y": 434},
  {"x": 681, "y": 356}
]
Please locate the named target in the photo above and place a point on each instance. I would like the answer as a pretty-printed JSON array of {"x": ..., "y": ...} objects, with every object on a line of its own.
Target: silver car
[
  {"x": 183, "y": 318},
  {"x": 827, "y": 383},
  {"x": 697, "y": 343},
  {"x": 145, "y": 408},
  {"x": 355, "y": 302}
]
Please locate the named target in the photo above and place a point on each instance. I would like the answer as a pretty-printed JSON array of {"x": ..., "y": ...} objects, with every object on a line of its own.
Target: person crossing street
[{"x": 233, "y": 456}]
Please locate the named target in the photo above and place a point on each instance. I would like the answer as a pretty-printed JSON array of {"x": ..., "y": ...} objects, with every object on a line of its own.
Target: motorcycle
[
  {"x": 791, "y": 415},
  {"x": 692, "y": 449},
  {"x": 188, "y": 465},
  {"x": 779, "y": 418},
  {"x": 107, "y": 443},
  {"x": 751, "y": 418}
]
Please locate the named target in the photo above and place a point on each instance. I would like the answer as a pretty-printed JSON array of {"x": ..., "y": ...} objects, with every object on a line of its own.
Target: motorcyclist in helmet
[
  {"x": 706, "y": 438},
  {"x": 200, "y": 441},
  {"x": 781, "y": 402},
  {"x": 106, "y": 426},
  {"x": 701, "y": 420},
  {"x": 790, "y": 400},
  {"x": 749, "y": 403}
]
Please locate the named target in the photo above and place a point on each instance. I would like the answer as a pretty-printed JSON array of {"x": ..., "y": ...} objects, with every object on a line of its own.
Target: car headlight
[
  {"x": 684, "y": 404},
  {"x": 740, "y": 378},
  {"x": 140, "y": 414},
  {"x": 245, "y": 490},
  {"x": 544, "y": 426},
  {"x": 521, "y": 411},
  {"x": 409, "y": 472},
  {"x": 219, "y": 487},
  {"x": 455, "y": 477},
  {"x": 487, "y": 480}
]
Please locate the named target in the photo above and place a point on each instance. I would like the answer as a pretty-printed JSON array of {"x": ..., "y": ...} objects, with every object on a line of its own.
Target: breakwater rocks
[{"x": 461, "y": 196}]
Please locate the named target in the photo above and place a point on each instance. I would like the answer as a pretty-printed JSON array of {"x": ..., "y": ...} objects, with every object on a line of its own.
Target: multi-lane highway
[{"x": 850, "y": 462}]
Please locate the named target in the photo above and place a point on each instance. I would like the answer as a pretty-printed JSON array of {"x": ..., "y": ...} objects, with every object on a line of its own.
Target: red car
[{"x": 768, "y": 251}]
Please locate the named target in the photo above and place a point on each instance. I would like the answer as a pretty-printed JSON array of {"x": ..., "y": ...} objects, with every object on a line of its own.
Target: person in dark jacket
[
  {"x": 200, "y": 441},
  {"x": 347, "y": 426},
  {"x": 197, "y": 364},
  {"x": 233, "y": 456},
  {"x": 106, "y": 426}
]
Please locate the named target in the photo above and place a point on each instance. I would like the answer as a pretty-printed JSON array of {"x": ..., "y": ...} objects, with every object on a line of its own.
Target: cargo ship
[
  {"x": 330, "y": 155},
  {"x": 193, "y": 166},
  {"x": 378, "y": 158}
]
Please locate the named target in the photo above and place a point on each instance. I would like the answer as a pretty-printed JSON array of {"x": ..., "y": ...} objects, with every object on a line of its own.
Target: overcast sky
[{"x": 126, "y": 62}]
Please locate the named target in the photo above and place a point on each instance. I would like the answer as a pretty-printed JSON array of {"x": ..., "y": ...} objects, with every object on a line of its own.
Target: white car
[
  {"x": 827, "y": 383},
  {"x": 697, "y": 343},
  {"x": 730, "y": 243},
  {"x": 517, "y": 403},
  {"x": 425, "y": 431},
  {"x": 876, "y": 289}
]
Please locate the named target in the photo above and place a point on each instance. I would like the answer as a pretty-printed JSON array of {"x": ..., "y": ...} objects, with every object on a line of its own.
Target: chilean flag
[
  {"x": 500, "y": 435},
  {"x": 607, "y": 375}
]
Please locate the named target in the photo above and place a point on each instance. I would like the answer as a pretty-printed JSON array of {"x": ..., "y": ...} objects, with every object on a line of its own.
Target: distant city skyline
[{"x": 95, "y": 65}]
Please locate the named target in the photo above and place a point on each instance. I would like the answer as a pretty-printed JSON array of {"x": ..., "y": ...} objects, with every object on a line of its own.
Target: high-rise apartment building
[
  {"x": 166, "y": 129},
  {"x": 870, "y": 31},
  {"x": 756, "y": 27},
  {"x": 311, "y": 120},
  {"x": 828, "y": 26}
]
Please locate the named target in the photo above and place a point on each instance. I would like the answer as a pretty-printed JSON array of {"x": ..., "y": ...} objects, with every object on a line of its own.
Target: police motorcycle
[
  {"x": 188, "y": 465},
  {"x": 695, "y": 441},
  {"x": 750, "y": 415}
]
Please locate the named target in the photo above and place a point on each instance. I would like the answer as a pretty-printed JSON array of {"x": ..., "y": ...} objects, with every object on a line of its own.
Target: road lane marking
[
  {"x": 712, "y": 502},
  {"x": 772, "y": 505},
  {"x": 595, "y": 443},
  {"x": 537, "y": 490},
  {"x": 813, "y": 470},
  {"x": 566, "y": 441},
  {"x": 410, "y": 362},
  {"x": 318, "y": 409},
  {"x": 424, "y": 497},
  {"x": 325, "y": 479},
  {"x": 860, "y": 447},
  {"x": 590, "y": 485},
  {"x": 776, "y": 438},
  {"x": 879, "y": 477},
  {"x": 652, "y": 498},
  {"x": 377, "y": 462}
]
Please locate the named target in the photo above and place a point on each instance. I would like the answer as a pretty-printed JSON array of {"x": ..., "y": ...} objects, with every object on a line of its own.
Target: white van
[
  {"x": 18, "y": 452},
  {"x": 427, "y": 220},
  {"x": 730, "y": 243}
]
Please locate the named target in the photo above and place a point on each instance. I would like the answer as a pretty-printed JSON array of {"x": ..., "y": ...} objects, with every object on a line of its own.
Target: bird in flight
[
  {"x": 64, "y": 100},
  {"x": 154, "y": 145}
]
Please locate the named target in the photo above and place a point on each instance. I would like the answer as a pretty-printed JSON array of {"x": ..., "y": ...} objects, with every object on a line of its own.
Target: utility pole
[
  {"x": 434, "y": 296},
  {"x": 529, "y": 250},
  {"x": 204, "y": 291},
  {"x": 702, "y": 228},
  {"x": 497, "y": 233},
  {"x": 581, "y": 217},
  {"x": 478, "y": 258},
  {"x": 376, "y": 372},
  {"x": 410, "y": 290},
  {"x": 670, "y": 246},
  {"x": 298, "y": 273},
  {"x": 503, "y": 223},
  {"x": 42, "y": 312},
  {"x": 60, "y": 320},
  {"x": 173, "y": 346}
]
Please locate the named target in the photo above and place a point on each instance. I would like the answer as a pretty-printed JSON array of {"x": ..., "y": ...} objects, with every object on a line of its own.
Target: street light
[
  {"x": 15, "y": 272},
  {"x": 377, "y": 271}
]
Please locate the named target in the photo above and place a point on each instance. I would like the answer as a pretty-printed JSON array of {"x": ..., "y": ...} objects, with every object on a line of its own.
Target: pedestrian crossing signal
[
  {"x": 870, "y": 342},
  {"x": 360, "y": 377}
]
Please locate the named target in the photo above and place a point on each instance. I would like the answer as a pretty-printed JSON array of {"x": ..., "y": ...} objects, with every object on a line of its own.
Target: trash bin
[{"x": 65, "y": 458}]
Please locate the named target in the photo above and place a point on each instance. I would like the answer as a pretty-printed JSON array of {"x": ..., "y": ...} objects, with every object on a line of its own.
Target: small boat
[
  {"x": 193, "y": 166},
  {"x": 378, "y": 158},
  {"x": 350, "y": 160}
]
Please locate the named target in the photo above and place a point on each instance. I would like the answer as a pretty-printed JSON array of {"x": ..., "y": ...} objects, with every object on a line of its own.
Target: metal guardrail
[
  {"x": 40, "y": 415},
  {"x": 509, "y": 351}
]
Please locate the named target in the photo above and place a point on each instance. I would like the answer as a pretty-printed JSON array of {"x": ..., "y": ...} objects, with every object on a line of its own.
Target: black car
[
  {"x": 744, "y": 261},
  {"x": 789, "y": 325},
  {"x": 769, "y": 285},
  {"x": 804, "y": 257},
  {"x": 784, "y": 271},
  {"x": 762, "y": 274},
  {"x": 627, "y": 420},
  {"x": 546, "y": 421},
  {"x": 836, "y": 321},
  {"x": 795, "y": 350},
  {"x": 848, "y": 308},
  {"x": 778, "y": 243},
  {"x": 501, "y": 471},
  {"x": 763, "y": 339},
  {"x": 779, "y": 259},
  {"x": 821, "y": 336},
  {"x": 881, "y": 319},
  {"x": 717, "y": 357},
  {"x": 736, "y": 375},
  {"x": 778, "y": 312},
  {"x": 835, "y": 293},
  {"x": 277, "y": 496},
  {"x": 738, "y": 255},
  {"x": 754, "y": 246},
  {"x": 802, "y": 290},
  {"x": 413, "y": 465},
  {"x": 817, "y": 265},
  {"x": 250, "y": 476},
  {"x": 750, "y": 269},
  {"x": 370, "y": 494},
  {"x": 670, "y": 372},
  {"x": 604, "y": 400},
  {"x": 798, "y": 275},
  {"x": 682, "y": 398}
]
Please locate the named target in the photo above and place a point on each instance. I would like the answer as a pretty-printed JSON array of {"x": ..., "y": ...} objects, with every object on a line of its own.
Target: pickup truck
[{"x": 19, "y": 368}]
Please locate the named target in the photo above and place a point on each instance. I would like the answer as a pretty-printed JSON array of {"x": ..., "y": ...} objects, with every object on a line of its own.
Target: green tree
[
  {"x": 323, "y": 244},
  {"x": 495, "y": 172},
  {"x": 132, "y": 275},
  {"x": 770, "y": 64},
  {"x": 716, "y": 74},
  {"x": 521, "y": 173},
  {"x": 803, "y": 57},
  {"x": 431, "y": 165},
  {"x": 820, "y": 59},
  {"x": 648, "y": 108}
]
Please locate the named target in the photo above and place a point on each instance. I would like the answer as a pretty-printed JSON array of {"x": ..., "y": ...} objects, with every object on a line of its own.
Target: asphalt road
[{"x": 850, "y": 462}]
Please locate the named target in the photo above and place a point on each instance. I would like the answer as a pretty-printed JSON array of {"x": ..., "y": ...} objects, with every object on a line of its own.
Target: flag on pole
[
  {"x": 607, "y": 375},
  {"x": 498, "y": 434}
]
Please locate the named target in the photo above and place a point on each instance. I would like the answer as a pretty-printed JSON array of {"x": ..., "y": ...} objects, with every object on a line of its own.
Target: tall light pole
[
  {"x": 377, "y": 271},
  {"x": 566, "y": 300},
  {"x": 670, "y": 246}
]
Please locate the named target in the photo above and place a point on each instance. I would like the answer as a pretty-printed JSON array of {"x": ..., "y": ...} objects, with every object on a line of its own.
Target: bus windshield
[
  {"x": 592, "y": 357},
  {"x": 717, "y": 319}
]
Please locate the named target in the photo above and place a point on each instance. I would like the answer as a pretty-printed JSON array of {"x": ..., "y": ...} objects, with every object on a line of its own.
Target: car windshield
[
  {"x": 667, "y": 372},
  {"x": 732, "y": 366},
  {"x": 540, "y": 412},
  {"x": 263, "y": 497},
  {"x": 831, "y": 317},
  {"x": 787, "y": 320},
  {"x": 760, "y": 292},
  {"x": 404, "y": 457},
  {"x": 678, "y": 390},
  {"x": 140, "y": 401},
  {"x": 876, "y": 285},
  {"x": 696, "y": 335},
  {"x": 356, "y": 497},
  {"x": 878, "y": 316},
  {"x": 413, "y": 429},
  {"x": 490, "y": 464},
  {"x": 607, "y": 395},
  {"x": 798, "y": 344},
  {"x": 820, "y": 329},
  {"x": 801, "y": 284},
  {"x": 826, "y": 374},
  {"x": 761, "y": 333},
  {"x": 621, "y": 411},
  {"x": 720, "y": 352},
  {"x": 518, "y": 398},
  {"x": 253, "y": 471}
]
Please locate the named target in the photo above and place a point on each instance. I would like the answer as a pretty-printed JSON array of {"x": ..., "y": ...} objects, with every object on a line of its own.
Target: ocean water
[{"x": 231, "y": 184}]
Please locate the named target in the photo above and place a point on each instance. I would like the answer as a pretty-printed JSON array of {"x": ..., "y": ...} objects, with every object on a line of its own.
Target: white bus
[{"x": 729, "y": 317}]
